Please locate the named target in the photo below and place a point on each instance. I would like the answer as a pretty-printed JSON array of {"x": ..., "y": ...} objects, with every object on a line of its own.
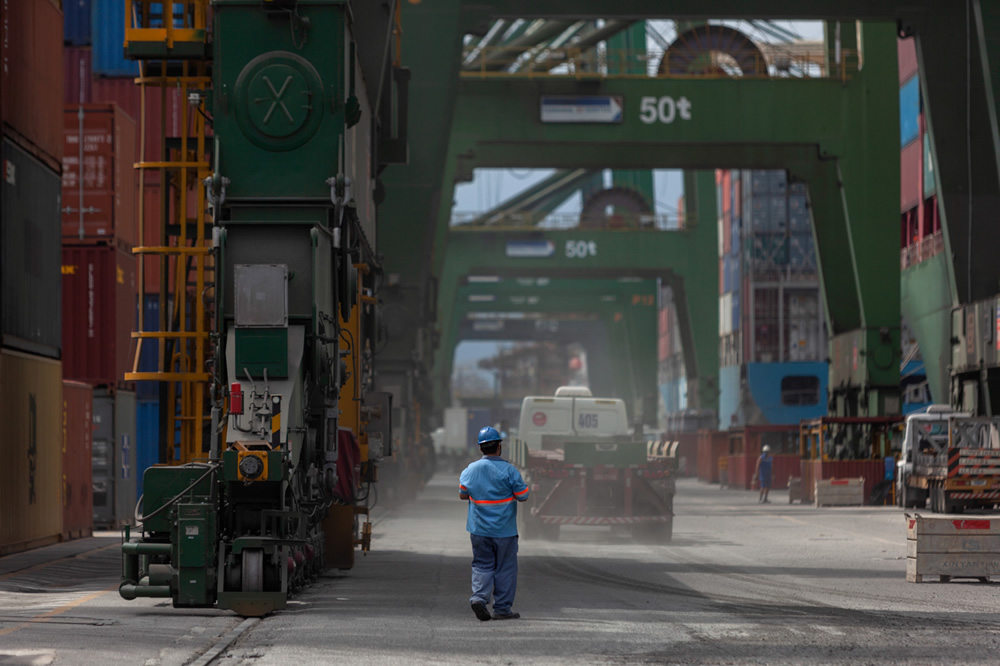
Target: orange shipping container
[
  {"x": 77, "y": 438},
  {"x": 108, "y": 182},
  {"x": 906, "y": 52},
  {"x": 31, "y": 450},
  {"x": 31, "y": 79}
]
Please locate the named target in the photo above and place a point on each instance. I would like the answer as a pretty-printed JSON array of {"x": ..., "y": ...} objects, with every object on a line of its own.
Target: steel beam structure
[
  {"x": 628, "y": 310},
  {"x": 835, "y": 134}
]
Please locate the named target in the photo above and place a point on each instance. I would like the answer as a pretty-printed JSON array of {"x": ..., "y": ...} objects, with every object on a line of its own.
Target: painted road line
[
  {"x": 44, "y": 617},
  {"x": 855, "y": 534}
]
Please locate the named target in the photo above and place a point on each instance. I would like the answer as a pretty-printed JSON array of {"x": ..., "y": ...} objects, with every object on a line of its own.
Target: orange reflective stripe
[
  {"x": 503, "y": 501},
  {"x": 461, "y": 487},
  {"x": 521, "y": 492}
]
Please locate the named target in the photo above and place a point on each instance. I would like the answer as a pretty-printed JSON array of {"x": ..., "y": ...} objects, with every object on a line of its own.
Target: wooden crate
[
  {"x": 839, "y": 492},
  {"x": 948, "y": 548},
  {"x": 794, "y": 489}
]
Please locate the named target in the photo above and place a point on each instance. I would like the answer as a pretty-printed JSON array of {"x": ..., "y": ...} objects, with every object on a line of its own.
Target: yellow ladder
[{"x": 183, "y": 250}]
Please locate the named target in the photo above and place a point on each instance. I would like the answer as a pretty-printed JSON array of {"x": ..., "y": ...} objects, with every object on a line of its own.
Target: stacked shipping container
[
  {"x": 30, "y": 314},
  {"x": 771, "y": 323},
  {"x": 99, "y": 229},
  {"x": 920, "y": 224}
]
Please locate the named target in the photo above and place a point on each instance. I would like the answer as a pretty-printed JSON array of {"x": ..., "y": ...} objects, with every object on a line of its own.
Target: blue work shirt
[
  {"x": 765, "y": 466},
  {"x": 494, "y": 486}
]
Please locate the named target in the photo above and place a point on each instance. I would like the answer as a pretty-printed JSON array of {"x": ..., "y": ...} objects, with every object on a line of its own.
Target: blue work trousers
[{"x": 494, "y": 571}]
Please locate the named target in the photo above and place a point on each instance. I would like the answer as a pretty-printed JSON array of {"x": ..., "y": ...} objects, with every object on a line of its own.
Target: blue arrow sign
[{"x": 581, "y": 108}]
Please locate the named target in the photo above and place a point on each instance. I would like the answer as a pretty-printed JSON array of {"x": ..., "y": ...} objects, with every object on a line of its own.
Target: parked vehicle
[
  {"x": 584, "y": 467},
  {"x": 950, "y": 460}
]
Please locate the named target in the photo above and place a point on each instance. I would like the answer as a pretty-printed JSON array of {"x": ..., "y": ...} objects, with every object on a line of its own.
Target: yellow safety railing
[
  {"x": 147, "y": 21},
  {"x": 183, "y": 250},
  {"x": 789, "y": 60}
]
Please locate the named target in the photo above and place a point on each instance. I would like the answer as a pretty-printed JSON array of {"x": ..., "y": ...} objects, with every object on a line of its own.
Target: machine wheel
[{"x": 253, "y": 570}]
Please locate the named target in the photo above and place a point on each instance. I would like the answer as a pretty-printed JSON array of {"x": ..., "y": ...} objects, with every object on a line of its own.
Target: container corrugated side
[
  {"x": 30, "y": 315},
  {"x": 76, "y": 22},
  {"x": 31, "y": 450},
  {"x": 909, "y": 111},
  {"x": 127, "y": 95},
  {"x": 910, "y": 171},
  {"x": 127, "y": 472},
  {"x": 31, "y": 79},
  {"x": 77, "y": 77},
  {"x": 147, "y": 438},
  {"x": 108, "y": 32},
  {"x": 99, "y": 306},
  {"x": 114, "y": 474},
  {"x": 906, "y": 53},
  {"x": 77, "y": 495},
  {"x": 108, "y": 182}
]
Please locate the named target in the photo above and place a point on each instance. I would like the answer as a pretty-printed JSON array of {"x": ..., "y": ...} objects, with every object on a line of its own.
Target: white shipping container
[{"x": 719, "y": 226}]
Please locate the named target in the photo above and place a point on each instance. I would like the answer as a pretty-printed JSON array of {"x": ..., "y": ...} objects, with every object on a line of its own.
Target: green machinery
[{"x": 298, "y": 103}]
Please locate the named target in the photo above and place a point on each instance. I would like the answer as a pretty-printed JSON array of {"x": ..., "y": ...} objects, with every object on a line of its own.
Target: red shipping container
[
  {"x": 77, "y": 495},
  {"x": 727, "y": 184},
  {"x": 727, "y": 230},
  {"x": 98, "y": 313},
  {"x": 109, "y": 179},
  {"x": 126, "y": 94},
  {"x": 906, "y": 52},
  {"x": 152, "y": 224},
  {"x": 872, "y": 471},
  {"x": 910, "y": 170},
  {"x": 31, "y": 79},
  {"x": 77, "y": 75}
]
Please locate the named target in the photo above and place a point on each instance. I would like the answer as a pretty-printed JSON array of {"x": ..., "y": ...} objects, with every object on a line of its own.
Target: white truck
[
  {"x": 949, "y": 460},
  {"x": 585, "y": 467}
]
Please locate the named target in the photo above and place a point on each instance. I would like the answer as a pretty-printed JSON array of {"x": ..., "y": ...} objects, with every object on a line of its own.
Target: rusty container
[
  {"x": 31, "y": 450},
  {"x": 128, "y": 96},
  {"x": 99, "y": 311},
  {"x": 106, "y": 183},
  {"x": 31, "y": 79},
  {"x": 77, "y": 438},
  {"x": 77, "y": 75},
  {"x": 29, "y": 254}
]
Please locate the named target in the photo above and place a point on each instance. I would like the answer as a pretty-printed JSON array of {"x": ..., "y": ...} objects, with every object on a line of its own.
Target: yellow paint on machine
[{"x": 31, "y": 451}]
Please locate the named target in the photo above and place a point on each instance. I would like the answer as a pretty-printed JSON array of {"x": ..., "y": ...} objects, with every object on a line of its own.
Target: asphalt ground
[{"x": 741, "y": 583}]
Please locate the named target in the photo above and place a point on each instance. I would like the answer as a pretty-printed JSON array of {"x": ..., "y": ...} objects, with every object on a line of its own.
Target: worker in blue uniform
[
  {"x": 493, "y": 487},
  {"x": 763, "y": 474}
]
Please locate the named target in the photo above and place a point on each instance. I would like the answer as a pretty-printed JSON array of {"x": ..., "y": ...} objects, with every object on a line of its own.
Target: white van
[{"x": 572, "y": 412}]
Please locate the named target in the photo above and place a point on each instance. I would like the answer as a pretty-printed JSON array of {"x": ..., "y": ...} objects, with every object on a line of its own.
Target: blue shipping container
[
  {"x": 108, "y": 27},
  {"x": 76, "y": 22},
  {"x": 147, "y": 437},
  {"x": 149, "y": 358},
  {"x": 909, "y": 111}
]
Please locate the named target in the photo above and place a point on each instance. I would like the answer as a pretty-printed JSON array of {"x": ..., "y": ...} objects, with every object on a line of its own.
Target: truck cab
[
  {"x": 571, "y": 412},
  {"x": 925, "y": 437}
]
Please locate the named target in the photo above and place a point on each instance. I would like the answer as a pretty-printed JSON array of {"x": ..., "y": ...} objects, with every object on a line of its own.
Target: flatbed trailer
[{"x": 614, "y": 482}]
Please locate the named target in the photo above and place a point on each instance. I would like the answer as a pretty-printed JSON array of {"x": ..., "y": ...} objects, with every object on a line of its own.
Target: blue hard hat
[{"x": 488, "y": 435}]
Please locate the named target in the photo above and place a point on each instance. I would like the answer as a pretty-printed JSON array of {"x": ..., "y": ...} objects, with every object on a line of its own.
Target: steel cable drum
[
  {"x": 630, "y": 209},
  {"x": 686, "y": 55}
]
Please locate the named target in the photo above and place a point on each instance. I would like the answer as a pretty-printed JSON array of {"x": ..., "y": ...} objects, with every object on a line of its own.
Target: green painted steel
[
  {"x": 628, "y": 308},
  {"x": 833, "y": 134},
  {"x": 927, "y": 305},
  {"x": 272, "y": 104}
]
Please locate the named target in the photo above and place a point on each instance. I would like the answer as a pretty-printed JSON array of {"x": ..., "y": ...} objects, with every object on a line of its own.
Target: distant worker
[
  {"x": 763, "y": 474},
  {"x": 490, "y": 485}
]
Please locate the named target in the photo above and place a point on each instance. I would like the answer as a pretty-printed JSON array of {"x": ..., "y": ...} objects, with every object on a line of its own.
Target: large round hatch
[{"x": 279, "y": 100}]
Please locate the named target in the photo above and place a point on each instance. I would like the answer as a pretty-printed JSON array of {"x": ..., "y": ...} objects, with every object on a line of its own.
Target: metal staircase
[{"x": 170, "y": 40}]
